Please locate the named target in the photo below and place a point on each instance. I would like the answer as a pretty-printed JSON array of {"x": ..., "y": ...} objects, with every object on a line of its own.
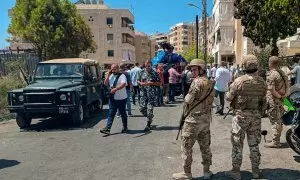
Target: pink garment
[{"x": 173, "y": 76}]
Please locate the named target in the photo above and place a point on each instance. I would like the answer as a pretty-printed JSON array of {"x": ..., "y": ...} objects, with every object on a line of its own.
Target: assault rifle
[
  {"x": 229, "y": 110},
  {"x": 183, "y": 116},
  {"x": 181, "y": 122}
]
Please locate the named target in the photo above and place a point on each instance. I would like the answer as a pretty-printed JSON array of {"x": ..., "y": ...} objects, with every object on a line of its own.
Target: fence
[{"x": 9, "y": 63}]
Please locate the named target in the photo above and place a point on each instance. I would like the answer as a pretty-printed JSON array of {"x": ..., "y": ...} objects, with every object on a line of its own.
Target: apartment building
[
  {"x": 290, "y": 46},
  {"x": 112, "y": 30},
  {"x": 209, "y": 34},
  {"x": 144, "y": 47},
  {"x": 159, "y": 38},
  {"x": 224, "y": 31},
  {"x": 182, "y": 35}
]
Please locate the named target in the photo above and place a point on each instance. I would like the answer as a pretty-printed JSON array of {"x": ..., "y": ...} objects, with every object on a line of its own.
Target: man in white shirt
[
  {"x": 222, "y": 79},
  {"x": 118, "y": 98},
  {"x": 213, "y": 71},
  {"x": 134, "y": 75}
]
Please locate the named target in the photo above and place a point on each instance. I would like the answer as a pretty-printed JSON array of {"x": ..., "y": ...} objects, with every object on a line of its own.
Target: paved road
[{"x": 53, "y": 150}]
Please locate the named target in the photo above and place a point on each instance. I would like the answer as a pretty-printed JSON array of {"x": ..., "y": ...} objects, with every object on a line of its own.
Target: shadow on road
[
  {"x": 168, "y": 105},
  {"x": 282, "y": 174},
  {"x": 141, "y": 135},
  {"x": 64, "y": 124},
  {"x": 270, "y": 174},
  {"x": 223, "y": 176},
  {"x": 297, "y": 159},
  {"x": 4, "y": 163},
  {"x": 164, "y": 128}
]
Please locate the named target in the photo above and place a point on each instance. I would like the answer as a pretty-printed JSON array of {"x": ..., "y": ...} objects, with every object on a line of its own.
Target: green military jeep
[{"x": 62, "y": 88}]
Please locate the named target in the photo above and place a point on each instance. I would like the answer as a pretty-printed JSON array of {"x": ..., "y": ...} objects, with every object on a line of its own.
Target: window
[
  {"x": 110, "y": 37},
  {"x": 110, "y": 53},
  {"x": 109, "y": 21},
  {"x": 91, "y": 73}
]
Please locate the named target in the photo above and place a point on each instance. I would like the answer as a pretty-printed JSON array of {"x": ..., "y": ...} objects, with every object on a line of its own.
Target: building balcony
[
  {"x": 223, "y": 48},
  {"x": 227, "y": 23},
  {"x": 127, "y": 39},
  {"x": 127, "y": 25}
]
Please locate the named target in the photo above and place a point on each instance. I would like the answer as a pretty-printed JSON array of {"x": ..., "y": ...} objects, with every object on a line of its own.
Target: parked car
[{"x": 61, "y": 87}]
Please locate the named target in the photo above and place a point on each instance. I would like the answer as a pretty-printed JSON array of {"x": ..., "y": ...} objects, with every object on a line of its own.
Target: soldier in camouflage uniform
[
  {"x": 247, "y": 95},
  {"x": 197, "y": 124},
  {"x": 277, "y": 83},
  {"x": 148, "y": 80}
]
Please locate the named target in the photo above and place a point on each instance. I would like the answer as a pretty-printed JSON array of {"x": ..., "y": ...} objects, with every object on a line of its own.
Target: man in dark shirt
[{"x": 166, "y": 82}]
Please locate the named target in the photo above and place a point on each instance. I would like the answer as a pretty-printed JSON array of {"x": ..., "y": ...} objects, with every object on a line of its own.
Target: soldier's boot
[
  {"x": 207, "y": 174},
  {"x": 182, "y": 176},
  {"x": 234, "y": 173},
  {"x": 272, "y": 144},
  {"x": 255, "y": 172},
  {"x": 148, "y": 126}
]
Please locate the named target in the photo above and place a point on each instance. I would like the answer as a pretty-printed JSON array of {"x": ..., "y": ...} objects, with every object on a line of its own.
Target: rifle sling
[
  {"x": 210, "y": 91},
  {"x": 282, "y": 77}
]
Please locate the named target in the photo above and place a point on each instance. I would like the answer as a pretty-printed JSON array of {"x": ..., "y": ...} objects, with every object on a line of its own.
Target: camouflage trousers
[
  {"x": 275, "y": 111},
  {"x": 246, "y": 122},
  {"x": 192, "y": 132},
  {"x": 147, "y": 103}
]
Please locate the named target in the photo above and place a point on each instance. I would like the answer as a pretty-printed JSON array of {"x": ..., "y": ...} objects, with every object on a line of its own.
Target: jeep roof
[{"x": 71, "y": 61}]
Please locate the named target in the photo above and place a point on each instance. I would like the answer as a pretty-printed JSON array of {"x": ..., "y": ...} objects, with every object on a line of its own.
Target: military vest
[
  {"x": 250, "y": 94},
  {"x": 206, "y": 87}
]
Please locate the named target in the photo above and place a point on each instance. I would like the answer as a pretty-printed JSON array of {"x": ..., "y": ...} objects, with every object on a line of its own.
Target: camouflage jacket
[
  {"x": 278, "y": 80},
  {"x": 146, "y": 76},
  {"x": 247, "y": 93},
  {"x": 200, "y": 88}
]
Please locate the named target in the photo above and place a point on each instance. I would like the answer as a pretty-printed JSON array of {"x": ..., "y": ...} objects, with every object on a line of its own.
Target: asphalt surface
[{"x": 53, "y": 150}]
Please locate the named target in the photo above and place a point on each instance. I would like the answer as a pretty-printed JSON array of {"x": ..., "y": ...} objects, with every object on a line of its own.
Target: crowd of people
[{"x": 250, "y": 96}]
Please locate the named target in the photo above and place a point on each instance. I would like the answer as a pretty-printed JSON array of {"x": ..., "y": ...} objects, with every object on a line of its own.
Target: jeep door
[{"x": 93, "y": 84}]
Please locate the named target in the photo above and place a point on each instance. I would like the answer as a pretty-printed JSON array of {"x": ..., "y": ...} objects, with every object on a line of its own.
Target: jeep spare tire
[
  {"x": 78, "y": 115},
  {"x": 23, "y": 121},
  {"x": 99, "y": 105}
]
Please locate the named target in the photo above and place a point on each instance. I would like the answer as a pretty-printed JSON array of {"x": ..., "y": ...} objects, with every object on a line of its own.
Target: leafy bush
[{"x": 6, "y": 84}]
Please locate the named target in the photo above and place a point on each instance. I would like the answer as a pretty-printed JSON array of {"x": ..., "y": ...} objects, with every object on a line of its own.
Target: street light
[
  {"x": 204, "y": 21},
  {"x": 197, "y": 30},
  {"x": 193, "y": 5}
]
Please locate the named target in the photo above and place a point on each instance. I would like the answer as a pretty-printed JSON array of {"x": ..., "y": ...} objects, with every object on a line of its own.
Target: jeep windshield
[{"x": 59, "y": 71}]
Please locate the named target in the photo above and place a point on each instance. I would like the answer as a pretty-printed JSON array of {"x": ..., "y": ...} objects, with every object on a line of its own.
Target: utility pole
[
  {"x": 204, "y": 15},
  {"x": 197, "y": 37}
]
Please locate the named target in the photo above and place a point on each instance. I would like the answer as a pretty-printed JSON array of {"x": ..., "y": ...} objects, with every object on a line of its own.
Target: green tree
[
  {"x": 210, "y": 60},
  {"x": 190, "y": 53},
  {"x": 265, "y": 21},
  {"x": 53, "y": 26}
]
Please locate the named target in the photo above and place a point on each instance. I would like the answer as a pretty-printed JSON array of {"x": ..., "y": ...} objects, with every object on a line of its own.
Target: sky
[{"x": 151, "y": 16}]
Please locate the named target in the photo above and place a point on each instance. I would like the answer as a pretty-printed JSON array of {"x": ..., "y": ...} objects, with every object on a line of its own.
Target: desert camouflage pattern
[
  {"x": 247, "y": 94},
  {"x": 200, "y": 132},
  {"x": 275, "y": 107},
  {"x": 246, "y": 122},
  {"x": 148, "y": 93},
  {"x": 199, "y": 89},
  {"x": 197, "y": 124}
]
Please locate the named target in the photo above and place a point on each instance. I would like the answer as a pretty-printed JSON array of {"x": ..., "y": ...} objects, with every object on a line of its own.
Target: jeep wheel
[
  {"x": 23, "y": 121},
  {"x": 78, "y": 116},
  {"x": 98, "y": 105}
]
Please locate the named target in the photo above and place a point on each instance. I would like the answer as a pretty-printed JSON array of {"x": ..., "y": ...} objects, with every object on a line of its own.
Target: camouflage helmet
[
  {"x": 197, "y": 62},
  {"x": 250, "y": 62}
]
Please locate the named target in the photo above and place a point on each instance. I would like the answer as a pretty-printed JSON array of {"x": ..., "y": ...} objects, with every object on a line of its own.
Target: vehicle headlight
[
  {"x": 63, "y": 97},
  {"x": 21, "y": 98}
]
